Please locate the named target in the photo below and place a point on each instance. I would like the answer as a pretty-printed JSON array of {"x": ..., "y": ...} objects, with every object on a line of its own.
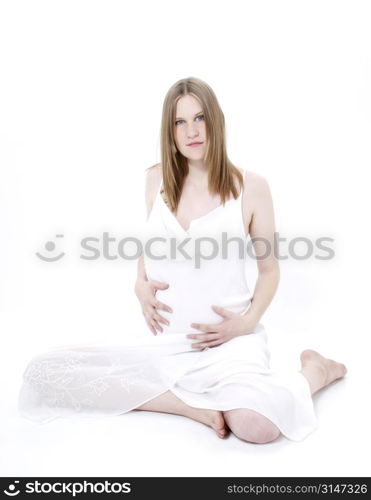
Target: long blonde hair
[{"x": 175, "y": 165}]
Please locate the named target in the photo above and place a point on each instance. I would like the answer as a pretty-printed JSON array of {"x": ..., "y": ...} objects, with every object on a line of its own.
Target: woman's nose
[{"x": 192, "y": 131}]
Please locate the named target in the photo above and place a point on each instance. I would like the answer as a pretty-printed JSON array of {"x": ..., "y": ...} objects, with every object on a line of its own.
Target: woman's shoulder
[
  {"x": 254, "y": 182},
  {"x": 153, "y": 180},
  {"x": 154, "y": 170},
  {"x": 154, "y": 174},
  {"x": 257, "y": 194}
]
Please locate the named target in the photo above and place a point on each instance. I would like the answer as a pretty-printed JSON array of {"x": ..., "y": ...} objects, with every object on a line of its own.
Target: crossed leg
[
  {"x": 256, "y": 428},
  {"x": 247, "y": 424}
]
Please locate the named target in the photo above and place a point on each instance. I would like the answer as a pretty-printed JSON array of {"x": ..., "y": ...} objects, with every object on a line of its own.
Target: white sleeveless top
[{"x": 192, "y": 262}]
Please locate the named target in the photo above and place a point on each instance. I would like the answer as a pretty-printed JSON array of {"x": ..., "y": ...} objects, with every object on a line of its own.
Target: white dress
[{"x": 112, "y": 380}]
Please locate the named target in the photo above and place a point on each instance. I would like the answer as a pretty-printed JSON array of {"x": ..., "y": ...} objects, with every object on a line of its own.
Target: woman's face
[{"x": 190, "y": 128}]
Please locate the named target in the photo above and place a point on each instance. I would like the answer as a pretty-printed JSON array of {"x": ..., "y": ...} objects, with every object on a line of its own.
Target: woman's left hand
[{"x": 232, "y": 326}]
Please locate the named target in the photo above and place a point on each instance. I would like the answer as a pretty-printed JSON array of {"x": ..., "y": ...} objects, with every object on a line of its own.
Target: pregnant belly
[
  {"x": 193, "y": 307},
  {"x": 193, "y": 292}
]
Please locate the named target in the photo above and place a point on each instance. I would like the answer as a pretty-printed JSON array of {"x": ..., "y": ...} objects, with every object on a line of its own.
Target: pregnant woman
[{"x": 205, "y": 354}]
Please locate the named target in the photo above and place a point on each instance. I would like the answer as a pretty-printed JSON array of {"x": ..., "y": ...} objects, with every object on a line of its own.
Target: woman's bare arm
[
  {"x": 141, "y": 273},
  {"x": 146, "y": 289},
  {"x": 152, "y": 179},
  {"x": 262, "y": 228}
]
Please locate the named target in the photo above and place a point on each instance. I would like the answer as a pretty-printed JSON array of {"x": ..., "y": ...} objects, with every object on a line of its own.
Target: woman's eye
[{"x": 199, "y": 116}]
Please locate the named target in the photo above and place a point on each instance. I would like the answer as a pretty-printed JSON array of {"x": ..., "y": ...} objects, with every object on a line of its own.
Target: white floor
[
  {"x": 151, "y": 444},
  {"x": 323, "y": 308}
]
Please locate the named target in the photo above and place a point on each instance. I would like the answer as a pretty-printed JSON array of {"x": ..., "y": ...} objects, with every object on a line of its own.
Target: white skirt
[{"x": 112, "y": 380}]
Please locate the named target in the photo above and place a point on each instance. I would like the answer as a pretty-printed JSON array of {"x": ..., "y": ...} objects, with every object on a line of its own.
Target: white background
[{"x": 81, "y": 94}]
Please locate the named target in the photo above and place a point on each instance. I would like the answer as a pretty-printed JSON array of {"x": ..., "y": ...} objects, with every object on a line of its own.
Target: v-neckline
[{"x": 196, "y": 218}]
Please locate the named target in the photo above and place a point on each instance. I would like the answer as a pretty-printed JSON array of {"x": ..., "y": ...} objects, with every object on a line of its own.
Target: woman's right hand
[{"x": 146, "y": 290}]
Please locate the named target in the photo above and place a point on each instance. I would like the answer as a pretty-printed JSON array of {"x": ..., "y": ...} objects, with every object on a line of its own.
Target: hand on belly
[{"x": 213, "y": 334}]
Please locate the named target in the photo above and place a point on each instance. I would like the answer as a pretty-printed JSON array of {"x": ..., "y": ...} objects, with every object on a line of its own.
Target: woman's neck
[{"x": 197, "y": 175}]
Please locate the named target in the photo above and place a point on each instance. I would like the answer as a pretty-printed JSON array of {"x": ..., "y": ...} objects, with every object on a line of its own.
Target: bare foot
[
  {"x": 218, "y": 424},
  {"x": 332, "y": 369},
  {"x": 214, "y": 419}
]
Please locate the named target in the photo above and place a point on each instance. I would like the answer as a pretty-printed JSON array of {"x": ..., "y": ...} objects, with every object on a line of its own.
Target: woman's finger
[
  {"x": 217, "y": 340},
  {"x": 215, "y": 343},
  {"x": 158, "y": 317},
  {"x": 204, "y": 327},
  {"x": 159, "y": 284},
  {"x": 201, "y": 345},
  {"x": 163, "y": 320},
  {"x": 156, "y": 325},
  {"x": 153, "y": 330},
  {"x": 160, "y": 305},
  {"x": 204, "y": 336},
  {"x": 151, "y": 321}
]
